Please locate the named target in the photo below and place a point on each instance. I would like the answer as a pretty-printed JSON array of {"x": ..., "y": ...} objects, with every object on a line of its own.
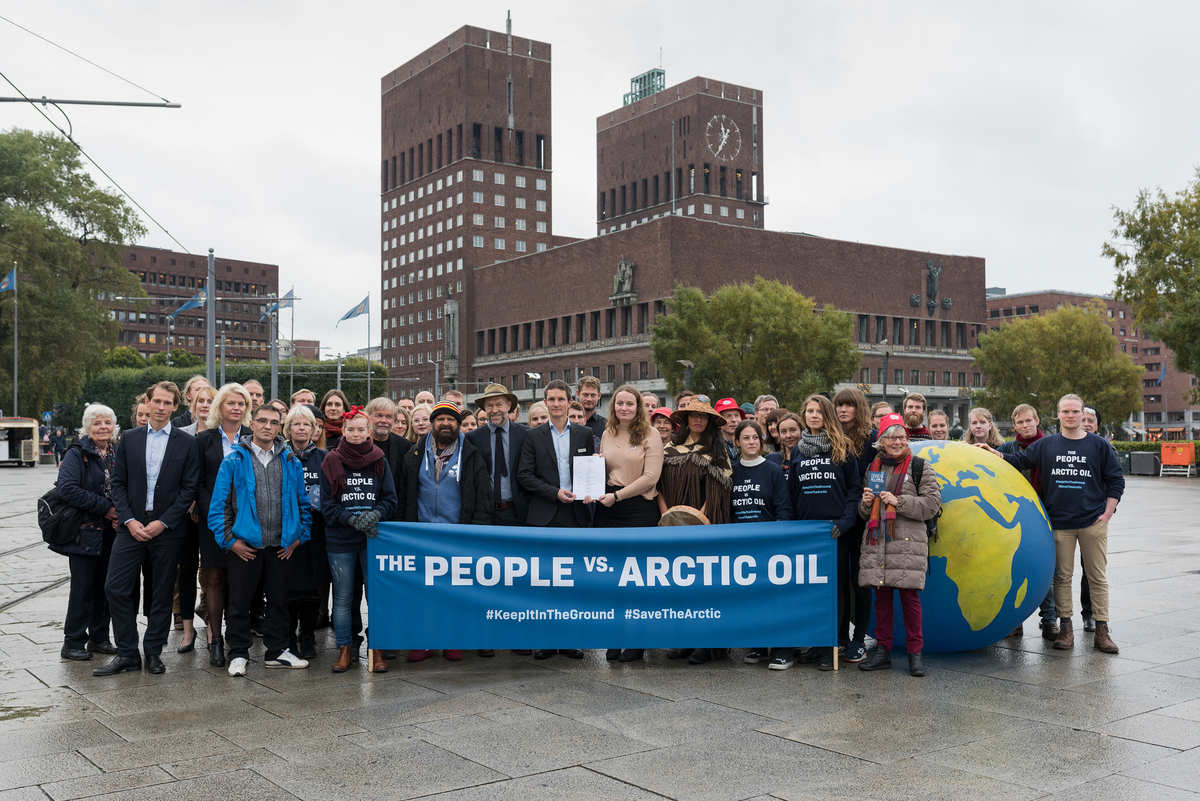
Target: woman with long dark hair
[
  {"x": 334, "y": 405},
  {"x": 633, "y": 456},
  {"x": 854, "y": 414},
  {"x": 696, "y": 473},
  {"x": 790, "y": 430}
]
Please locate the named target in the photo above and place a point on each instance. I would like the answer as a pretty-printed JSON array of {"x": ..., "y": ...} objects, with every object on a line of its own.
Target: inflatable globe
[{"x": 994, "y": 559}]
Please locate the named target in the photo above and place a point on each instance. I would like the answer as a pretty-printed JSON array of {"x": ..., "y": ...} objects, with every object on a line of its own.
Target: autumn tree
[
  {"x": 64, "y": 233},
  {"x": 1156, "y": 251},
  {"x": 1037, "y": 360},
  {"x": 753, "y": 339}
]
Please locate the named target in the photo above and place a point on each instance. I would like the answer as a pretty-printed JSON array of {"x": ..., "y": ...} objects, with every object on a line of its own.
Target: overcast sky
[{"x": 1006, "y": 131}]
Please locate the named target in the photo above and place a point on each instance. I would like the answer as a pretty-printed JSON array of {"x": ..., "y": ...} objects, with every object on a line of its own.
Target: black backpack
[
  {"x": 918, "y": 469},
  {"x": 59, "y": 521}
]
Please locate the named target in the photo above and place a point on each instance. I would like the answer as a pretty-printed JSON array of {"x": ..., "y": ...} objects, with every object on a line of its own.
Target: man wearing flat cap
[{"x": 499, "y": 443}]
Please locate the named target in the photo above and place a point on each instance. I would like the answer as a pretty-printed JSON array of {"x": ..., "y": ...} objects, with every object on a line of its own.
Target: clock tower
[{"x": 694, "y": 149}]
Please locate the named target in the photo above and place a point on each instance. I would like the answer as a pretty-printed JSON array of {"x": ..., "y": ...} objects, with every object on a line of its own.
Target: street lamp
[
  {"x": 887, "y": 352},
  {"x": 687, "y": 374},
  {"x": 537, "y": 382}
]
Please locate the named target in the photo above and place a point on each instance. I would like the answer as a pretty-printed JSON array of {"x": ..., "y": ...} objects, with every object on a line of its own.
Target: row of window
[
  {"x": 446, "y": 148},
  {"x": 659, "y": 188},
  {"x": 583, "y": 327},
  {"x": 914, "y": 377},
  {"x": 908, "y": 331},
  {"x": 631, "y": 371},
  {"x": 690, "y": 211},
  {"x": 415, "y": 358},
  {"x": 152, "y": 338}
]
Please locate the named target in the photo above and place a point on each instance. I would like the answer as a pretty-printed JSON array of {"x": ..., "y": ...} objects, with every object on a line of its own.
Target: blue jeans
[
  {"x": 341, "y": 566},
  {"x": 1047, "y": 609}
]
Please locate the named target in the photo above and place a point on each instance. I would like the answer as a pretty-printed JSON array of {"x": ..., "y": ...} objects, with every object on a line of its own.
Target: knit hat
[
  {"x": 747, "y": 408},
  {"x": 445, "y": 407},
  {"x": 317, "y": 413},
  {"x": 729, "y": 405},
  {"x": 890, "y": 420}
]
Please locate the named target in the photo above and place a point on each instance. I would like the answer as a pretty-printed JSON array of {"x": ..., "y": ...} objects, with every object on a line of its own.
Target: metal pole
[
  {"x": 292, "y": 364},
  {"x": 339, "y": 373},
  {"x": 368, "y": 347},
  {"x": 16, "y": 413},
  {"x": 274, "y": 354},
  {"x": 222, "y": 358},
  {"x": 436, "y": 380},
  {"x": 673, "y": 193},
  {"x": 210, "y": 345}
]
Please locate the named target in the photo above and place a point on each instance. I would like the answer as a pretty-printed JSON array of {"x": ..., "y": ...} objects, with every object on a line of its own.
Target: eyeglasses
[
  {"x": 897, "y": 438},
  {"x": 262, "y": 422}
]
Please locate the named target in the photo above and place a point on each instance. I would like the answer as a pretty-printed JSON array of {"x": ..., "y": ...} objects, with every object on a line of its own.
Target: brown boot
[
  {"x": 378, "y": 663},
  {"x": 1066, "y": 635},
  {"x": 343, "y": 660},
  {"x": 1103, "y": 641}
]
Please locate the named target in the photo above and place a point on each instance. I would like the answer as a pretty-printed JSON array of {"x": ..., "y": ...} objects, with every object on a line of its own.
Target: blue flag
[
  {"x": 9, "y": 281},
  {"x": 356, "y": 311},
  {"x": 283, "y": 303},
  {"x": 194, "y": 303}
]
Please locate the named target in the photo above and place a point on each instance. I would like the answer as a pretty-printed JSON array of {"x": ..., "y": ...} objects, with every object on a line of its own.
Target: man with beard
[
  {"x": 939, "y": 424},
  {"x": 914, "y": 417},
  {"x": 587, "y": 392}
]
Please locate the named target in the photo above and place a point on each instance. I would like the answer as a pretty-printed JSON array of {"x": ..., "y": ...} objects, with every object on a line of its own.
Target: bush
[{"x": 1140, "y": 447}]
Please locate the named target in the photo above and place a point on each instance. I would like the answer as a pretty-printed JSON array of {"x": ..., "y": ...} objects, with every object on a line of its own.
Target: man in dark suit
[
  {"x": 154, "y": 481},
  {"x": 500, "y": 444},
  {"x": 546, "y": 471},
  {"x": 382, "y": 413}
]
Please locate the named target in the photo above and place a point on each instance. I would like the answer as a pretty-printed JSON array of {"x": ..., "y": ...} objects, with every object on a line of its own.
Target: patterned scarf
[
  {"x": 811, "y": 445},
  {"x": 1035, "y": 474},
  {"x": 883, "y": 515}
]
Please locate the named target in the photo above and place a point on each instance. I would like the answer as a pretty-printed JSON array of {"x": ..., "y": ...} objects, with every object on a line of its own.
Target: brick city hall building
[{"x": 478, "y": 288}]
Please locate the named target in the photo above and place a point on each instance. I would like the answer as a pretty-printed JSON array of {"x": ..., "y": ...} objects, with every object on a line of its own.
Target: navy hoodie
[
  {"x": 363, "y": 493},
  {"x": 1078, "y": 477},
  {"x": 823, "y": 490},
  {"x": 759, "y": 493}
]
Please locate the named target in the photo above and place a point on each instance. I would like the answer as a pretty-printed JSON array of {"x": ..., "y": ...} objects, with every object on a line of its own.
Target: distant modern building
[
  {"x": 1165, "y": 414},
  {"x": 170, "y": 279},
  {"x": 305, "y": 349},
  {"x": 371, "y": 353}
]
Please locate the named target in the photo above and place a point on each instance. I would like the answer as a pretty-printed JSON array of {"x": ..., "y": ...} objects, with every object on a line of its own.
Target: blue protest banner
[{"x": 730, "y": 586}]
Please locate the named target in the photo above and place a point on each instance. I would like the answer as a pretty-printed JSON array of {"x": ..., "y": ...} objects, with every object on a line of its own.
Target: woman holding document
[{"x": 633, "y": 458}]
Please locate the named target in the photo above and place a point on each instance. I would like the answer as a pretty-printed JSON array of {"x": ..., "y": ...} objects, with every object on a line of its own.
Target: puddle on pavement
[{"x": 20, "y": 712}]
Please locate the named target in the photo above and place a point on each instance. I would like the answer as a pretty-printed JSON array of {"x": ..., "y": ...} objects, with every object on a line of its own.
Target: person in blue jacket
[
  {"x": 824, "y": 485},
  {"x": 357, "y": 491},
  {"x": 259, "y": 514}
]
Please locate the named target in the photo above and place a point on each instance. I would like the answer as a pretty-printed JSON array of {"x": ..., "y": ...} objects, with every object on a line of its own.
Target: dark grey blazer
[
  {"x": 178, "y": 479},
  {"x": 482, "y": 437},
  {"x": 538, "y": 472}
]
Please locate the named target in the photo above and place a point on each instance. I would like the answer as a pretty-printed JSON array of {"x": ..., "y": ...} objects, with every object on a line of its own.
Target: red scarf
[
  {"x": 1035, "y": 474},
  {"x": 883, "y": 515},
  {"x": 333, "y": 427},
  {"x": 347, "y": 455}
]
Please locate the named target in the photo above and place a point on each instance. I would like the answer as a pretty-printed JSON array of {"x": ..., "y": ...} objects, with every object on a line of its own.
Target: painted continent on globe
[{"x": 994, "y": 558}]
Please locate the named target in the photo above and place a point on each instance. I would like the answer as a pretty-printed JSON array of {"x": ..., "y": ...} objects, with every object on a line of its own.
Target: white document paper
[{"x": 589, "y": 477}]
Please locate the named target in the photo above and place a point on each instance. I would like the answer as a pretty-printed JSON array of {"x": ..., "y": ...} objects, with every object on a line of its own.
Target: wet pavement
[{"x": 1017, "y": 720}]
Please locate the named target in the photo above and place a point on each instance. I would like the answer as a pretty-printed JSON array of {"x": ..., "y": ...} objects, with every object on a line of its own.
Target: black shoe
[
  {"x": 632, "y": 655},
  {"x": 487, "y": 653},
  {"x": 826, "y": 660},
  {"x": 354, "y": 654},
  {"x": 915, "y": 666},
  {"x": 522, "y": 652},
  {"x": 308, "y": 649},
  {"x": 154, "y": 664},
  {"x": 188, "y": 647},
  {"x": 679, "y": 653},
  {"x": 121, "y": 664},
  {"x": 1089, "y": 624},
  {"x": 323, "y": 621},
  {"x": 75, "y": 654},
  {"x": 877, "y": 659},
  {"x": 258, "y": 624},
  {"x": 216, "y": 652},
  {"x": 700, "y": 656},
  {"x": 544, "y": 653},
  {"x": 571, "y": 653},
  {"x": 808, "y": 656},
  {"x": 612, "y": 653},
  {"x": 388, "y": 654},
  {"x": 104, "y": 647}
]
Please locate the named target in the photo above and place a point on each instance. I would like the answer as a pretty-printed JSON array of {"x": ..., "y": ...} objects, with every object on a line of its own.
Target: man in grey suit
[
  {"x": 500, "y": 444},
  {"x": 154, "y": 479}
]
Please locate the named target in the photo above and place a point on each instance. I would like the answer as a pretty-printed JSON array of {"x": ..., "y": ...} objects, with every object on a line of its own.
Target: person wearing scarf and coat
[
  {"x": 895, "y": 549},
  {"x": 357, "y": 491},
  {"x": 696, "y": 472},
  {"x": 444, "y": 479}
]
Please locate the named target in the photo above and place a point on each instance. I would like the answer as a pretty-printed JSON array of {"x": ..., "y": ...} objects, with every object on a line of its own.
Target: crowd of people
[{"x": 266, "y": 506}]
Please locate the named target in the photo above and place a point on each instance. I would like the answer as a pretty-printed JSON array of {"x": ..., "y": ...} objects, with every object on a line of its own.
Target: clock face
[{"x": 723, "y": 137}]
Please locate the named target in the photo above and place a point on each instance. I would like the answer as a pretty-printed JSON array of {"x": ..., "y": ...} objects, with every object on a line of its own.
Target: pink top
[{"x": 634, "y": 468}]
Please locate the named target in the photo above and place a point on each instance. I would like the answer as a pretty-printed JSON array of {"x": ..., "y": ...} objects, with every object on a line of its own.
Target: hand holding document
[{"x": 588, "y": 479}]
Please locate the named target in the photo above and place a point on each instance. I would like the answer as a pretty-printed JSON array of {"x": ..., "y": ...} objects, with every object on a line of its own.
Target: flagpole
[
  {"x": 368, "y": 347},
  {"x": 292, "y": 366},
  {"x": 14, "y": 273}
]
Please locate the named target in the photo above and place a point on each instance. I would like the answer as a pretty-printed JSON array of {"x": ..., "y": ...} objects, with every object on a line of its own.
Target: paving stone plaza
[{"x": 1017, "y": 720}]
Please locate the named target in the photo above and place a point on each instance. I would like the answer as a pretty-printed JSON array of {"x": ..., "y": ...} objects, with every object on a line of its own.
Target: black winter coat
[
  {"x": 81, "y": 484},
  {"x": 475, "y": 484}
]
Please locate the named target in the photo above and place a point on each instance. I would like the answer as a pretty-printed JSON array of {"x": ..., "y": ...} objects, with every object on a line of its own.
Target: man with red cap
[{"x": 729, "y": 409}]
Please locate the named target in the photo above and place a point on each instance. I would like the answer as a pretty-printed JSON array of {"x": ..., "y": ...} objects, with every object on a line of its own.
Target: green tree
[
  {"x": 753, "y": 339},
  {"x": 179, "y": 358},
  {"x": 1156, "y": 251},
  {"x": 124, "y": 356},
  {"x": 64, "y": 233},
  {"x": 1037, "y": 360}
]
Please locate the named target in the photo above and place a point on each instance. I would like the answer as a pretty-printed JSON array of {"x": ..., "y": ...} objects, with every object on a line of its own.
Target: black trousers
[
  {"x": 87, "y": 608},
  {"x": 189, "y": 561},
  {"x": 243, "y": 582},
  {"x": 849, "y": 550},
  {"x": 505, "y": 517},
  {"x": 124, "y": 567}
]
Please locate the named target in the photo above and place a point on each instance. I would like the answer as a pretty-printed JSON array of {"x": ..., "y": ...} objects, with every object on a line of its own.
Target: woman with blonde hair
[
  {"x": 403, "y": 423},
  {"x": 982, "y": 428},
  {"x": 230, "y": 409},
  {"x": 538, "y": 414}
]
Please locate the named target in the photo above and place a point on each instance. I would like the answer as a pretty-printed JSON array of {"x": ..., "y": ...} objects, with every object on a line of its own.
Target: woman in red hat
[
  {"x": 660, "y": 418},
  {"x": 895, "y": 550},
  {"x": 696, "y": 472}
]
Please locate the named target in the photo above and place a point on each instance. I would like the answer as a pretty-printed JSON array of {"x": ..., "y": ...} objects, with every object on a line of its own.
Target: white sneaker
[
  {"x": 286, "y": 660},
  {"x": 237, "y": 667}
]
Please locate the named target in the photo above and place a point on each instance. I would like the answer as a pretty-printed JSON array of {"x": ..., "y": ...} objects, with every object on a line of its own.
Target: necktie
[{"x": 501, "y": 468}]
